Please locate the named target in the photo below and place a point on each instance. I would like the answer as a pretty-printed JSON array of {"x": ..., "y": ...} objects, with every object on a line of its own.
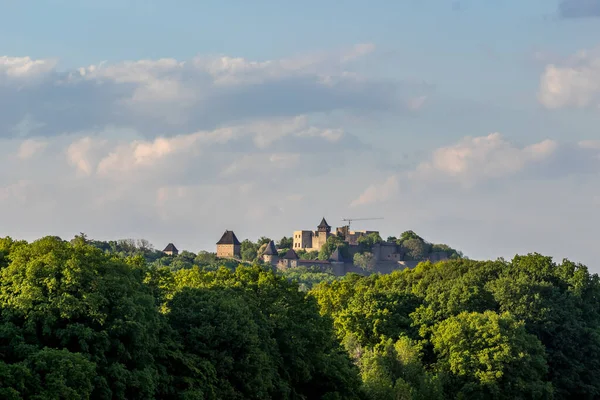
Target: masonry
[{"x": 388, "y": 256}]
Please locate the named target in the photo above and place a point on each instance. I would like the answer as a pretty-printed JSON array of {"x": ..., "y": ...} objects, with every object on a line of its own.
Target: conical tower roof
[
  {"x": 324, "y": 224},
  {"x": 229, "y": 238},
  {"x": 290, "y": 255},
  {"x": 270, "y": 250},
  {"x": 170, "y": 247}
]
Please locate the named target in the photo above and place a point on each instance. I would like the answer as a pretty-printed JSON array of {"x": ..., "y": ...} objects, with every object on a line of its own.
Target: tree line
[{"x": 80, "y": 321}]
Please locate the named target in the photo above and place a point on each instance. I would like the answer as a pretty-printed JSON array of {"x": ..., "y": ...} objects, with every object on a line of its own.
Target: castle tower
[
  {"x": 323, "y": 232},
  {"x": 290, "y": 260},
  {"x": 229, "y": 246},
  {"x": 270, "y": 255},
  {"x": 324, "y": 226},
  {"x": 171, "y": 250}
]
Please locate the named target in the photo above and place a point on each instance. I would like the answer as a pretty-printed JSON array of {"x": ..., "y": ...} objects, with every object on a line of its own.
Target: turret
[
  {"x": 270, "y": 255},
  {"x": 324, "y": 226}
]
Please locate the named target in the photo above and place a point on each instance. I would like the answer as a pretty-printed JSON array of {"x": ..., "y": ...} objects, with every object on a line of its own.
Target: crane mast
[{"x": 349, "y": 220}]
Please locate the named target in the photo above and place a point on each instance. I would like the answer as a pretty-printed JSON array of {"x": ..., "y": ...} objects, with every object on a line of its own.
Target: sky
[{"x": 473, "y": 123}]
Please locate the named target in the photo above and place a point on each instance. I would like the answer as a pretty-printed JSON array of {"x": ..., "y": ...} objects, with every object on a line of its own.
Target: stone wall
[{"x": 228, "y": 251}]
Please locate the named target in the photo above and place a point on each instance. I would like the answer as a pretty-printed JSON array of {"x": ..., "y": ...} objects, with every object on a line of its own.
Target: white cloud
[
  {"x": 24, "y": 68},
  {"x": 164, "y": 96},
  {"x": 479, "y": 158},
  {"x": 573, "y": 83},
  {"x": 31, "y": 147},
  {"x": 378, "y": 192},
  {"x": 83, "y": 154},
  {"x": 170, "y": 157}
]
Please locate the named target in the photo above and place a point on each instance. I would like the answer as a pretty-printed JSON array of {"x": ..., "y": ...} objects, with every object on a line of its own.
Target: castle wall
[
  {"x": 228, "y": 251},
  {"x": 303, "y": 240},
  {"x": 387, "y": 252},
  {"x": 309, "y": 240},
  {"x": 319, "y": 240}
]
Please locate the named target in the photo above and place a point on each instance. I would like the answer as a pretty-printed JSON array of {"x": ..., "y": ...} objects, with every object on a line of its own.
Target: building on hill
[
  {"x": 291, "y": 260},
  {"x": 171, "y": 250},
  {"x": 270, "y": 255},
  {"x": 388, "y": 256},
  {"x": 229, "y": 246},
  {"x": 312, "y": 240}
]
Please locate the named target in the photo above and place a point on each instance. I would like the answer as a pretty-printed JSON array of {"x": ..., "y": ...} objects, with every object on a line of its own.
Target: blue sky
[{"x": 471, "y": 122}]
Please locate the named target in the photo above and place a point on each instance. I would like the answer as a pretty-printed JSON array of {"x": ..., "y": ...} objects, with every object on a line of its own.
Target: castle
[
  {"x": 388, "y": 256},
  {"x": 229, "y": 246}
]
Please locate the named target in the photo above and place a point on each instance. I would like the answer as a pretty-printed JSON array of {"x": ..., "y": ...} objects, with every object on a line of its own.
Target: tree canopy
[
  {"x": 81, "y": 320},
  {"x": 76, "y": 322},
  {"x": 522, "y": 329}
]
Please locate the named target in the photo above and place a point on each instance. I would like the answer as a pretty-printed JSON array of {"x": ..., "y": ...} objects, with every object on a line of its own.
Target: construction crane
[{"x": 349, "y": 220}]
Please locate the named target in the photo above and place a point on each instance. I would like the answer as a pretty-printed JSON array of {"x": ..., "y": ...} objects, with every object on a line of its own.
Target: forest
[{"x": 83, "y": 319}]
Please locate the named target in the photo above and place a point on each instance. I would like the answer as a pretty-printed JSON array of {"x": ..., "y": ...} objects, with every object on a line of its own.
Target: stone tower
[
  {"x": 290, "y": 260},
  {"x": 323, "y": 232},
  {"x": 229, "y": 246},
  {"x": 270, "y": 255}
]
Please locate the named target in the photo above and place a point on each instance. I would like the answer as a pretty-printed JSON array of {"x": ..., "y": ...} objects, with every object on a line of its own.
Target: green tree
[
  {"x": 308, "y": 277},
  {"x": 490, "y": 356},
  {"x": 332, "y": 243},
  {"x": 262, "y": 241},
  {"x": 395, "y": 371},
  {"x": 48, "y": 374},
  {"x": 366, "y": 261},
  {"x": 248, "y": 250},
  {"x": 55, "y": 294},
  {"x": 560, "y": 304},
  {"x": 223, "y": 341},
  {"x": 205, "y": 258},
  {"x": 285, "y": 243},
  {"x": 409, "y": 235},
  {"x": 366, "y": 242},
  {"x": 416, "y": 249},
  {"x": 311, "y": 363}
]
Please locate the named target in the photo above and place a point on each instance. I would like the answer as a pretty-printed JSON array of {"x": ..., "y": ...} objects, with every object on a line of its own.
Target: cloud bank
[{"x": 167, "y": 96}]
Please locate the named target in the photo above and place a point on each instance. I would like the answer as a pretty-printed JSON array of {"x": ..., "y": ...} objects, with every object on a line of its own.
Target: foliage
[
  {"x": 395, "y": 371},
  {"x": 72, "y": 297},
  {"x": 416, "y": 249},
  {"x": 366, "y": 242},
  {"x": 77, "y": 322},
  {"x": 308, "y": 255},
  {"x": 366, "y": 261},
  {"x": 333, "y": 242},
  {"x": 409, "y": 235},
  {"x": 248, "y": 250},
  {"x": 490, "y": 356},
  {"x": 83, "y": 319},
  {"x": 528, "y": 328},
  {"x": 308, "y": 277},
  {"x": 285, "y": 243},
  {"x": 452, "y": 253}
]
